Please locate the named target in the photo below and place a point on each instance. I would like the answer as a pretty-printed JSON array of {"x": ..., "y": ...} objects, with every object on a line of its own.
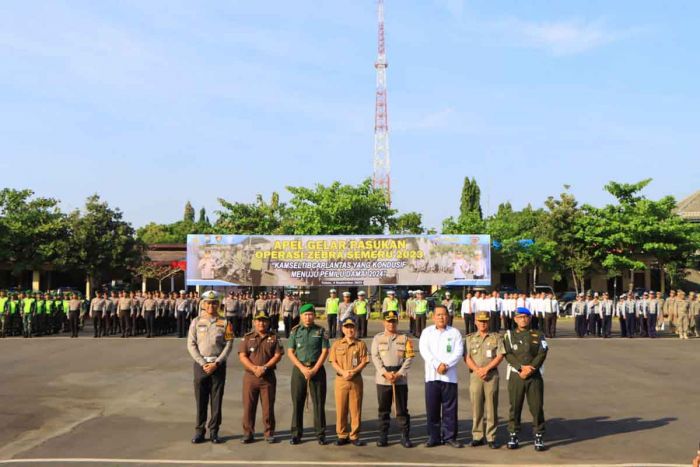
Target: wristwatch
[{"x": 265, "y": 368}]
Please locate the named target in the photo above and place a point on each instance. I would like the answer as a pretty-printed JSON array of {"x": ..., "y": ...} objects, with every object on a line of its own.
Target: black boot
[
  {"x": 539, "y": 443},
  {"x": 513, "y": 442},
  {"x": 406, "y": 440},
  {"x": 383, "y": 440}
]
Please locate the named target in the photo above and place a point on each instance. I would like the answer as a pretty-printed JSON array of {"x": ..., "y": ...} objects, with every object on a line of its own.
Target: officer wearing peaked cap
[
  {"x": 349, "y": 357},
  {"x": 209, "y": 342},
  {"x": 259, "y": 352},
  {"x": 392, "y": 355},
  {"x": 484, "y": 351}
]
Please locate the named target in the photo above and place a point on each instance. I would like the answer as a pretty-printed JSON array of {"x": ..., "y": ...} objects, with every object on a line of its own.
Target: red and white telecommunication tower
[{"x": 382, "y": 165}]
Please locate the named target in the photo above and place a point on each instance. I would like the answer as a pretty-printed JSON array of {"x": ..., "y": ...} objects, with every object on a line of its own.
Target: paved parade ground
[{"x": 613, "y": 401}]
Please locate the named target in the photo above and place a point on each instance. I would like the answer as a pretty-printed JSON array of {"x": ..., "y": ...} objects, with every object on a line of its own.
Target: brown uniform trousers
[
  {"x": 348, "y": 394},
  {"x": 259, "y": 349}
]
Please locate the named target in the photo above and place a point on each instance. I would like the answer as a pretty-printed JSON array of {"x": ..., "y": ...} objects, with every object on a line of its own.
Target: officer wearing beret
[
  {"x": 484, "y": 352},
  {"x": 349, "y": 357},
  {"x": 526, "y": 351},
  {"x": 259, "y": 352},
  {"x": 209, "y": 342},
  {"x": 392, "y": 355},
  {"x": 307, "y": 349}
]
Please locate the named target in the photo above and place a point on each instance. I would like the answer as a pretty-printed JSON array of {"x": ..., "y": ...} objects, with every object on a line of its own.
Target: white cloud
[{"x": 561, "y": 38}]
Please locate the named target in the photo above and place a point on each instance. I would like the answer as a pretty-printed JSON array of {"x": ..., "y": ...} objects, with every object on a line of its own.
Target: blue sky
[{"x": 151, "y": 104}]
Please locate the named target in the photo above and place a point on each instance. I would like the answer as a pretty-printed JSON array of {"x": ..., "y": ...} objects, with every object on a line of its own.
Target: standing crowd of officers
[
  {"x": 309, "y": 345},
  {"x": 638, "y": 316}
]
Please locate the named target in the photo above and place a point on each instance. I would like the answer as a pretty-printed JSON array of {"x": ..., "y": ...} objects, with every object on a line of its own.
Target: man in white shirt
[
  {"x": 468, "y": 313},
  {"x": 441, "y": 347}
]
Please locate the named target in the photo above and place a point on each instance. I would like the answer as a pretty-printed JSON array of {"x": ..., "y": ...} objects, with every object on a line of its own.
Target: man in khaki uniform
[
  {"x": 259, "y": 352},
  {"x": 209, "y": 342},
  {"x": 124, "y": 313},
  {"x": 669, "y": 310},
  {"x": 74, "y": 305},
  {"x": 695, "y": 312},
  {"x": 348, "y": 357},
  {"x": 392, "y": 354},
  {"x": 682, "y": 313},
  {"x": 97, "y": 310},
  {"x": 484, "y": 352}
]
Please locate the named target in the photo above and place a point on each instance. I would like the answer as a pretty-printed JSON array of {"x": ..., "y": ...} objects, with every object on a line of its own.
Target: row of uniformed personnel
[{"x": 210, "y": 341}]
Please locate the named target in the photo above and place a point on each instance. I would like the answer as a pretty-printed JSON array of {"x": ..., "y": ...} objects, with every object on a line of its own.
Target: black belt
[{"x": 392, "y": 368}]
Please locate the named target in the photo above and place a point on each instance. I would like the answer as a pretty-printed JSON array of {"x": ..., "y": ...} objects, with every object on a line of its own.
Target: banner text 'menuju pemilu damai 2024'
[{"x": 353, "y": 260}]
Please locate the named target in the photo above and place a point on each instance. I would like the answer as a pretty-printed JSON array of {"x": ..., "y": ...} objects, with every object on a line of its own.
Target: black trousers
[
  {"x": 317, "y": 387},
  {"x": 495, "y": 321},
  {"x": 275, "y": 322},
  {"x": 441, "y": 409},
  {"x": 125, "y": 323},
  {"x": 362, "y": 326},
  {"x": 150, "y": 318},
  {"x": 332, "y": 325},
  {"x": 607, "y": 325},
  {"x": 450, "y": 319},
  {"x": 623, "y": 326},
  {"x": 549, "y": 324},
  {"x": 580, "y": 325},
  {"x": 652, "y": 325},
  {"x": 287, "y": 325},
  {"x": 385, "y": 397},
  {"x": 74, "y": 322},
  {"x": 420, "y": 324},
  {"x": 469, "y": 326},
  {"x": 97, "y": 325},
  {"x": 631, "y": 323},
  {"x": 181, "y": 327},
  {"x": 209, "y": 391}
]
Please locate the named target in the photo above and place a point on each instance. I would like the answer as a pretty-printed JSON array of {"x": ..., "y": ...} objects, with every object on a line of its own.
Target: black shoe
[
  {"x": 493, "y": 445},
  {"x": 476, "y": 442},
  {"x": 340, "y": 441},
  {"x": 539, "y": 443},
  {"x": 454, "y": 443},
  {"x": 247, "y": 440},
  {"x": 322, "y": 441},
  {"x": 294, "y": 441},
  {"x": 358, "y": 442},
  {"x": 406, "y": 441},
  {"x": 431, "y": 444},
  {"x": 198, "y": 438},
  {"x": 382, "y": 442},
  {"x": 513, "y": 442},
  {"x": 215, "y": 438},
  {"x": 271, "y": 440}
]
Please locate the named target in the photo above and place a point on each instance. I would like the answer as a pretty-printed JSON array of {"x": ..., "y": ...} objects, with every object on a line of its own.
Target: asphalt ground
[{"x": 115, "y": 401}]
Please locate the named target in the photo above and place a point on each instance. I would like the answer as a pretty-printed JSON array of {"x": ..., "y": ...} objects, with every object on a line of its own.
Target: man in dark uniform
[
  {"x": 259, "y": 352},
  {"x": 209, "y": 342},
  {"x": 392, "y": 354},
  {"x": 526, "y": 352},
  {"x": 307, "y": 349}
]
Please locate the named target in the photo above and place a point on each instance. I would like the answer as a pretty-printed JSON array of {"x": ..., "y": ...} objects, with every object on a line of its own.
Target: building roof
[
  {"x": 689, "y": 208},
  {"x": 167, "y": 253}
]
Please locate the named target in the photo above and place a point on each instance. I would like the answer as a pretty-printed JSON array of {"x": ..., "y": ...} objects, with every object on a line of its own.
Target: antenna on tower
[{"x": 382, "y": 167}]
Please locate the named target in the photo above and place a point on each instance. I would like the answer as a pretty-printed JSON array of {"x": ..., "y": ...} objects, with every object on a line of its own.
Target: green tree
[
  {"x": 408, "y": 223},
  {"x": 189, "y": 213},
  {"x": 338, "y": 210},
  {"x": 101, "y": 241},
  {"x": 564, "y": 226},
  {"x": 470, "y": 202},
  {"x": 624, "y": 234},
  {"x": 258, "y": 218},
  {"x": 33, "y": 230}
]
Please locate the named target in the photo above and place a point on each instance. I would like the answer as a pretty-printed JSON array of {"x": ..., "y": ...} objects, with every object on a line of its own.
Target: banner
[{"x": 251, "y": 260}]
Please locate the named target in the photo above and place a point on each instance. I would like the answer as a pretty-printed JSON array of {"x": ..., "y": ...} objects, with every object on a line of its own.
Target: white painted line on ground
[{"x": 329, "y": 463}]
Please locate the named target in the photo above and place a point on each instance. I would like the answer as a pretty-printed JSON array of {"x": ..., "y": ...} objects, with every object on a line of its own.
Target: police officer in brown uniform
[
  {"x": 97, "y": 310},
  {"x": 209, "y": 342},
  {"x": 392, "y": 354},
  {"x": 148, "y": 311},
  {"x": 484, "y": 352},
  {"x": 349, "y": 357},
  {"x": 124, "y": 313},
  {"x": 259, "y": 352}
]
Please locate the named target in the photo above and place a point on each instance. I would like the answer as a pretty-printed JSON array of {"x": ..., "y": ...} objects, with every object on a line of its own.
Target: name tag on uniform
[{"x": 489, "y": 353}]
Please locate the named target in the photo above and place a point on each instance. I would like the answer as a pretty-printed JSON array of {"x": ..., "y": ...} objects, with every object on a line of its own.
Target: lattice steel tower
[{"x": 382, "y": 165}]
